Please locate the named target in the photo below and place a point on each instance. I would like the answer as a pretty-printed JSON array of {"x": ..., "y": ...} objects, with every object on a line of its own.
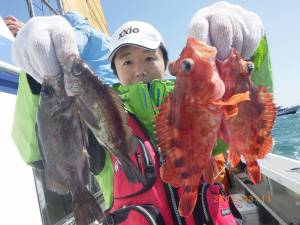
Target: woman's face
[{"x": 136, "y": 64}]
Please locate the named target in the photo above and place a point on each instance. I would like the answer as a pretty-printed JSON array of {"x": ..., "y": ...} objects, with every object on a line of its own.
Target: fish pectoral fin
[
  {"x": 231, "y": 104},
  {"x": 234, "y": 100}
]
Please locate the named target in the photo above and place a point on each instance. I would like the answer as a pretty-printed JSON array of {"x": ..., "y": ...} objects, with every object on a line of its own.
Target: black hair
[{"x": 165, "y": 58}]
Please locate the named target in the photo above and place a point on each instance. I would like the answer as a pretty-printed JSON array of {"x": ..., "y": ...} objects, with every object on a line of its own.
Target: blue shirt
[{"x": 93, "y": 47}]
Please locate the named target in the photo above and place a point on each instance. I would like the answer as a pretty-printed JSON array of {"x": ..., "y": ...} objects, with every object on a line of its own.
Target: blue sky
[{"x": 171, "y": 18}]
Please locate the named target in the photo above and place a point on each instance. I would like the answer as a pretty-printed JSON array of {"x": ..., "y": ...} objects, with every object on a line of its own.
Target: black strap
[
  {"x": 172, "y": 196},
  {"x": 149, "y": 169},
  {"x": 198, "y": 214},
  {"x": 120, "y": 215}
]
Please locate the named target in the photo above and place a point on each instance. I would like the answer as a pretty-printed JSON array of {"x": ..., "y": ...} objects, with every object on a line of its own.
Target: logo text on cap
[{"x": 128, "y": 31}]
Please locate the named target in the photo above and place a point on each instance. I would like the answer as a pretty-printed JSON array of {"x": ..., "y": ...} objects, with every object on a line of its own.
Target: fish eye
[
  {"x": 250, "y": 67},
  {"x": 187, "y": 65},
  {"x": 77, "y": 69}
]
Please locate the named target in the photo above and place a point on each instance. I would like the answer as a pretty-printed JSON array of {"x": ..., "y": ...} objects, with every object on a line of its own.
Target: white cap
[{"x": 134, "y": 33}]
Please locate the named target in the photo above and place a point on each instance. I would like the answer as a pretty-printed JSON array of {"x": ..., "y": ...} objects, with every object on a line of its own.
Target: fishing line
[{"x": 219, "y": 173}]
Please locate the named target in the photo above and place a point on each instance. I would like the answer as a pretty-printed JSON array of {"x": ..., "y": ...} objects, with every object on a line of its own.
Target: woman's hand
[
  {"x": 227, "y": 26},
  {"x": 43, "y": 45},
  {"x": 13, "y": 24}
]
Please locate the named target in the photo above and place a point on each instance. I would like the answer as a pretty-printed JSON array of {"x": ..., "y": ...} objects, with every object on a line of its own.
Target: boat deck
[{"x": 276, "y": 198}]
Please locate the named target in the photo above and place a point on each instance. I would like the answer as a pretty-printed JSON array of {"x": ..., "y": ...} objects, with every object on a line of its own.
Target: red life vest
[{"x": 151, "y": 203}]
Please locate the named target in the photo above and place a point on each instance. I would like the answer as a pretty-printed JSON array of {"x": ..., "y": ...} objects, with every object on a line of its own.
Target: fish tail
[
  {"x": 264, "y": 140},
  {"x": 210, "y": 171},
  {"x": 86, "y": 209},
  {"x": 188, "y": 200},
  {"x": 132, "y": 173},
  {"x": 234, "y": 157},
  {"x": 253, "y": 169}
]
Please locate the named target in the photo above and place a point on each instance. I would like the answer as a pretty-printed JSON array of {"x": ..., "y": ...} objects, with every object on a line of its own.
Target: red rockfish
[
  {"x": 248, "y": 133},
  {"x": 189, "y": 121}
]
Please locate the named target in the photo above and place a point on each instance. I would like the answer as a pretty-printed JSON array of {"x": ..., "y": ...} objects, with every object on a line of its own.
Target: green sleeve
[
  {"x": 106, "y": 181},
  {"x": 262, "y": 74},
  {"x": 23, "y": 129}
]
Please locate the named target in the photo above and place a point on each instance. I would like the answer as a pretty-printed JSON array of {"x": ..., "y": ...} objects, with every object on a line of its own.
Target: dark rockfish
[
  {"x": 189, "y": 121},
  {"x": 248, "y": 133},
  {"x": 61, "y": 142},
  {"x": 102, "y": 111}
]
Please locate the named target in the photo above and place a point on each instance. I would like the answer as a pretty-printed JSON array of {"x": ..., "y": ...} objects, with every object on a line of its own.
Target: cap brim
[{"x": 147, "y": 44}]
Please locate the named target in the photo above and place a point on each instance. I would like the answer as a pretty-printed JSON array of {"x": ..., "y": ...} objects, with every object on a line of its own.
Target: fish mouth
[{"x": 171, "y": 68}]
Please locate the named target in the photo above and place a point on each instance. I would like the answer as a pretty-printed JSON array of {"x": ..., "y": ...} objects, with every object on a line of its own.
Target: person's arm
[
  {"x": 225, "y": 26},
  {"x": 92, "y": 45},
  {"x": 45, "y": 43},
  {"x": 42, "y": 45}
]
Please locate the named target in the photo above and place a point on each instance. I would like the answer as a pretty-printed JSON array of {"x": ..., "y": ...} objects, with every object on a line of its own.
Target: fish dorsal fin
[
  {"x": 164, "y": 123},
  {"x": 166, "y": 130},
  {"x": 264, "y": 141}
]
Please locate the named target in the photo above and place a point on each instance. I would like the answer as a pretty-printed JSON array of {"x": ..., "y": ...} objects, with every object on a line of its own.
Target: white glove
[
  {"x": 42, "y": 45},
  {"x": 224, "y": 26}
]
